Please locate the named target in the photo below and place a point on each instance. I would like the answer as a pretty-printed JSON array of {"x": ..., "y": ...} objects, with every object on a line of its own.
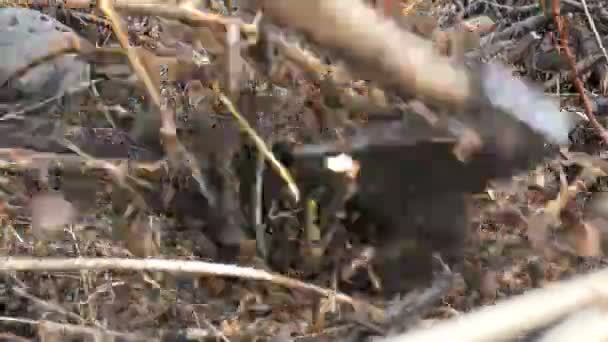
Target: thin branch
[
  {"x": 261, "y": 146},
  {"x": 185, "y": 14},
  {"x": 168, "y": 129},
  {"x": 50, "y": 306},
  {"x": 578, "y": 84},
  {"x": 598, "y": 39},
  {"x": 317, "y": 71},
  {"x": 517, "y": 29},
  {"x": 107, "y": 8},
  {"x": 172, "y": 266}
]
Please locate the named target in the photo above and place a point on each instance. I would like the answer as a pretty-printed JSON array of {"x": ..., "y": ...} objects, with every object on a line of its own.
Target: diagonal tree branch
[{"x": 395, "y": 58}]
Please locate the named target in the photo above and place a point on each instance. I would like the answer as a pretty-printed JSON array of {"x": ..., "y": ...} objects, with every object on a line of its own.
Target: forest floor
[{"x": 528, "y": 232}]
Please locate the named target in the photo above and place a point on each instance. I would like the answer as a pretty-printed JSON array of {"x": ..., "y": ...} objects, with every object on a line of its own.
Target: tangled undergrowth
[{"x": 371, "y": 168}]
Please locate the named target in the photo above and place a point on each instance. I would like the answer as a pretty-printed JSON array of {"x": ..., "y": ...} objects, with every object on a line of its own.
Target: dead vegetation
[{"x": 297, "y": 170}]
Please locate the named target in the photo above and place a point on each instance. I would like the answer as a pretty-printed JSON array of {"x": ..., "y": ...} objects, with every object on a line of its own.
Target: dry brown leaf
[
  {"x": 142, "y": 237},
  {"x": 594, "y": 164},
  {"x": 509, "y": 215},
  {"x": 422, "y": 25},
  {"x": 489, "y": 285},
  {"x": 538, "y": 178},
  {"x": 469, "y": 142},
  {"x": 588, "y": 240},
  {"x": 539, "y": 226},
  {"x": 215, "y": 285},
  {"x": 597, "y": 205},
  {"x": 283, "y": 335},
  {"x": 50, "y": 214},
  {"x": 230, "y": 327},
  {"x": 463, "y": 38},
  {"x": 196, "y": 92}
]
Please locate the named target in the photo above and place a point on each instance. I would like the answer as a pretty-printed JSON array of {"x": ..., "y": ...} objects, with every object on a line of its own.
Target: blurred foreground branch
[
  {"x": 398, "y": 59},
  {"x": 514, "y": 317}
]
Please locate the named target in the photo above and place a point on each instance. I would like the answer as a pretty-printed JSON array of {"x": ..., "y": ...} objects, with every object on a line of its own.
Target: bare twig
[
  {"x": 49, "y": 306},
  {"x": 598, "y": 39},
  {"x": 13, "y": 158},
  {"x": 261, "y": 146},
  {"x": 563, "y": 31},
  {"x": 318, "y": 71},
  {"x": 107, "y": 8},
  {"x": 185, "y": 14},
  {"x": 518, "y": 28},
  {"x": 173, "y": 266},
  {"x": 168, "y": 129}
]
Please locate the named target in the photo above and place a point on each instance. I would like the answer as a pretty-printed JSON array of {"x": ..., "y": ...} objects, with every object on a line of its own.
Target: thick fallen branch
[
  {"x": 377, "y": 48},
  {"x": 516, "y": 316}
]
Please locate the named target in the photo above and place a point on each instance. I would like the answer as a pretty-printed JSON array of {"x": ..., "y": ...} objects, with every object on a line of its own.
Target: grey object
[
  {"x": 527, "y": 103},
  {"x": 599, "y": 104},
  {"x": 26, "y": 35},
  {"x": 27, "y": 103}
]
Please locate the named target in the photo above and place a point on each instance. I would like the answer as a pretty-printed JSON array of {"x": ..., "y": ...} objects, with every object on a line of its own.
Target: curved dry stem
[
  {"x": 108, "y": 9},
  {"x": 168, "y": 129},
  {"x": 261, "y": 146}
]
